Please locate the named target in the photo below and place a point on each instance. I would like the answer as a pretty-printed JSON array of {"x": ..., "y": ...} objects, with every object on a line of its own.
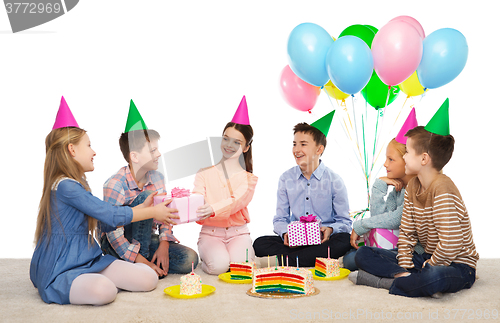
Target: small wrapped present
[
  {"x": 382, "y": 238},
  {"x": 304, "y": 232},
  {"x": 185, "y": 202}
]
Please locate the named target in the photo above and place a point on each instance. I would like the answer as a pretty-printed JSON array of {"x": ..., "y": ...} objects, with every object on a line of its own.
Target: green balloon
[
  {"x": 360, "y": 31},
  {"x": 375, "y": 30},
  {"x": 375, "y": 92}
]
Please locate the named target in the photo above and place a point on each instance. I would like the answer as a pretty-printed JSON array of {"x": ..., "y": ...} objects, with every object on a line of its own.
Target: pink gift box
[
  {"x": 186, "y": 203},
  {"x": 305, "y": 232},
  {"x": 382, "y": 238}
]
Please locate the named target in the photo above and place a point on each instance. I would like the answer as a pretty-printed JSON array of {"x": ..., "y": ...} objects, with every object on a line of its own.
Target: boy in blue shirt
[{"x": 310, "y": 188}]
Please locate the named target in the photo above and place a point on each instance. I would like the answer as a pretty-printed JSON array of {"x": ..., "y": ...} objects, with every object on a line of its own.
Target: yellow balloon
[
  {"x": 334, "y": 92},
  {"x": 411, "y": 86}
]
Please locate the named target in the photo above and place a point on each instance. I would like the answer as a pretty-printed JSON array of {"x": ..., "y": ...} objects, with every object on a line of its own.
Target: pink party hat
[
  {"x": 410, "y": 123},
  {"x": 64, "y": 116},
  {"x": 241, "y": 115}
]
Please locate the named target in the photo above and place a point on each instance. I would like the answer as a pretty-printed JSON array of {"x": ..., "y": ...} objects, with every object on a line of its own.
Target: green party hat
[
  {"x": 440, "y": 122},
  {"x": 323, "y": 123},
  {"x": 134, "y": 119}
]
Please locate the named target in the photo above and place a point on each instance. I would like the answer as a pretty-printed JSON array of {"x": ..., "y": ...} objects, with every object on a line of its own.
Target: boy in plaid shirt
[{"x": 131, "y": 185}]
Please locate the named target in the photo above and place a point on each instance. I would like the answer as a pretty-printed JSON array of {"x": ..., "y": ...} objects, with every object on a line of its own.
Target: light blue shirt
[{"x": 323, "y": 195}]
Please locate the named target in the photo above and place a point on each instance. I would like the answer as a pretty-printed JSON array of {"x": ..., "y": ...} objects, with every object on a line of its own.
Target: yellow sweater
[{"x": 439, "y": 220}]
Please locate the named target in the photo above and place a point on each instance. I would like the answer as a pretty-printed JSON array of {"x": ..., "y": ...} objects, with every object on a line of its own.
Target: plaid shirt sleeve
[
  {"x": 166, "y": 233},
  {"x": 126, "y": 250},
  {"x": 114, "y": 193}
]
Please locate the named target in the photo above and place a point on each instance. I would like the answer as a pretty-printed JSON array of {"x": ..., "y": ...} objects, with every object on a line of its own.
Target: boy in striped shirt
[{"x": 433, "y": 214}]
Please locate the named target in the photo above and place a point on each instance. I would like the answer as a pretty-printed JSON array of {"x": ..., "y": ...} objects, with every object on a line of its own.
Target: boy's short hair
[
  {"x": 318, "y": 136},
  {"x": 440, "y": 148},
  {"x": 135, "y": 141}
]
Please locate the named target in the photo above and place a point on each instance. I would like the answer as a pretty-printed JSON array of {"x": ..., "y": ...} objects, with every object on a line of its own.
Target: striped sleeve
[
  {"x": 407, "y": 235},
  {"x": 448, "y": 209}
]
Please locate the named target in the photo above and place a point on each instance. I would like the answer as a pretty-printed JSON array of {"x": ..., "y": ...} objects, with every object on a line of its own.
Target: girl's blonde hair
[
  {"x": 58, "y": 164},
  {"x": 401, "y": 148}
]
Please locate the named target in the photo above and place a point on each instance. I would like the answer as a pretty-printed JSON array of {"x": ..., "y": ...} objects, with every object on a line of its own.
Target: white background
[{"x": 186, "y": 65}]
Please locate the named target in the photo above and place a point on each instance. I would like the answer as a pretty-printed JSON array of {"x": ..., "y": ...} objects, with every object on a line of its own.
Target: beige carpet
[{"x": 337, "y": 300}]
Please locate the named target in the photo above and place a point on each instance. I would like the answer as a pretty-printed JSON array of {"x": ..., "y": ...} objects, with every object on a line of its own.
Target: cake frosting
[
  {"x": 241, "y": 270},
  {"x": 190, "y": 284},
  {"x": 282, "y": 280},
  {"x": 326, "y": 267}
]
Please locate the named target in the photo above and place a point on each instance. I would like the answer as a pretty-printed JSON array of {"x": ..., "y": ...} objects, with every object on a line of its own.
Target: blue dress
[{"x": 68, "y": 254}]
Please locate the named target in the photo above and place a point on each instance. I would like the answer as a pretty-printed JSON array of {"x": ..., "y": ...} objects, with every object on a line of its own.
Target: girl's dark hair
[{"x": 247, "y": 132}]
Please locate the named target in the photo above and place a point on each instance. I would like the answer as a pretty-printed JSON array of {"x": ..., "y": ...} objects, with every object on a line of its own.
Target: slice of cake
[
  {"x": 190, "y": 284},
  {"x": 326, "y": 267},
  {"x": 282, "y": 280},
  {"x": 241, "y": 270}
]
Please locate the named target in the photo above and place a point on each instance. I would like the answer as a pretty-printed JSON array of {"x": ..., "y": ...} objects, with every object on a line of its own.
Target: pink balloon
[
  {"x": 397, "y": 50},
  {"x": 412, "y": 21},
  {"x": 299, "y": 94}
]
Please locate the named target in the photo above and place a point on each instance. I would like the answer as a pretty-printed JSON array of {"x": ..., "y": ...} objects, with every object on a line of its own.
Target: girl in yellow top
[{"x": 228, "y": 188}]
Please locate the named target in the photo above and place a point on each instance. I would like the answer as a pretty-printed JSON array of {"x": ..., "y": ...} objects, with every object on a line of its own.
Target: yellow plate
[
  {"x": 343, "y": 274},
  {"x": 174, "y": 291},
  {"x": 227, "y": 278}
]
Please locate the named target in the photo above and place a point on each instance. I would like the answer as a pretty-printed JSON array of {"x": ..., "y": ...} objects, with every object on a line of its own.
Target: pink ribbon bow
[
  {"x": 180, "y": 192},
  {"x": 309, "y": 218}
]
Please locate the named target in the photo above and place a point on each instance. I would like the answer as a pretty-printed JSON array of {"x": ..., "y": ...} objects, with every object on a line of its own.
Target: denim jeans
[
  {"x": 421, "y": 281},
  {"x": 180, "y": 257},
  {"x": 349, "y": 261}
]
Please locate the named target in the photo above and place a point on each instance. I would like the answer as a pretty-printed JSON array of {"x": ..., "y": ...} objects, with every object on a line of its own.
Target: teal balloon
[
  {"x": 375, "y": 92},
  {"x": 365, "y": 33},
  {"x": 307, "y": 47}
]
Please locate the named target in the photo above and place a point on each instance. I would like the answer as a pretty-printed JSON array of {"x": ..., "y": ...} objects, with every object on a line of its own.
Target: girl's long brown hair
[
  {"x": 247, "y": 132},
  {"x": 58, "y": 164}
]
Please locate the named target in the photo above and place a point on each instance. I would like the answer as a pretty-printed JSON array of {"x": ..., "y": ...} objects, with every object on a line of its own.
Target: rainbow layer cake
[
  {"x": 241, "y": 270},
  {"x": 190, "y": 284},
  {"x": 283, "y": 280},
  {"x": 327, "y": 267}
]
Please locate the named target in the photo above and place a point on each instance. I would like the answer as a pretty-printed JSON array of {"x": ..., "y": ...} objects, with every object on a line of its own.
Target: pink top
[{"x": 230, "y": 209}]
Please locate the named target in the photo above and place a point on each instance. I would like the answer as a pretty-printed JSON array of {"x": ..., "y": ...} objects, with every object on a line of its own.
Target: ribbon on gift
[
  {"x": 178, "y": 192},
  {"x": 307, "y": 219},
  {"x": 386, "y": 234}
]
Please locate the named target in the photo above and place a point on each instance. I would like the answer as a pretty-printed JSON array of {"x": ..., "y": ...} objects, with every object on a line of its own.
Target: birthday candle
[
  {"x": 247, "y": 254},
  {"x": 276, "y": 262},
  {"x": 297, "y": 262},
  {"x": 282, "y": 263},
  {"x": 268, "y": 263},
  {"x": 192, "y": 268},
  {"x": 328, "y": 252},
  {"x": 287, "y": 260}
]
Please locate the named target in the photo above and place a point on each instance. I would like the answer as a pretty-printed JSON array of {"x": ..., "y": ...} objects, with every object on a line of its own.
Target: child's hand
[
  {"x": 354, "y": 237},
  {"x": 396, "y": 182},
  {"x": 325, "y": 233},
  {"x": 161, "y": 257},
  {"x": 163, "y": 214},
  {"x": 149, "y": 200},
  {"x": 205, "y": 211},
  {"x": 285, "y": 240}
]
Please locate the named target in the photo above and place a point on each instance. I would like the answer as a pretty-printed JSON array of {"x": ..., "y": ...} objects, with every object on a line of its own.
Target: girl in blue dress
[{"x": 67, "y": 264}]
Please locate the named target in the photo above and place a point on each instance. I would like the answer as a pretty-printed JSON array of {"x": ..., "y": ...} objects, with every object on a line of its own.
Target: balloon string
[
  {"x": 348, "y": 135},
  {"x": 377, "y": 137},
  {"x": 385, "y": 142}
]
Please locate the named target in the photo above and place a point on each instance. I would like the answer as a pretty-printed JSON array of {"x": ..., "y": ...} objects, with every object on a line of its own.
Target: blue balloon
[
  {"x": 349, "y": 63},
  {"x": 307, "y": 46},
  {"x": 444, "y": 57}
]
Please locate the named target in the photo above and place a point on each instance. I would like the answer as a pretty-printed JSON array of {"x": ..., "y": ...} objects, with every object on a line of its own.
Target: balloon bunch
[{"x": 378, "y": 63}]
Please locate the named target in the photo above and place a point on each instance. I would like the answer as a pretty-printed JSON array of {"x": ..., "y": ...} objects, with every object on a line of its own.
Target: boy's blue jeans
[
  {"x": 422, "y": 281},
  {"x": 180, "y": 257}
]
